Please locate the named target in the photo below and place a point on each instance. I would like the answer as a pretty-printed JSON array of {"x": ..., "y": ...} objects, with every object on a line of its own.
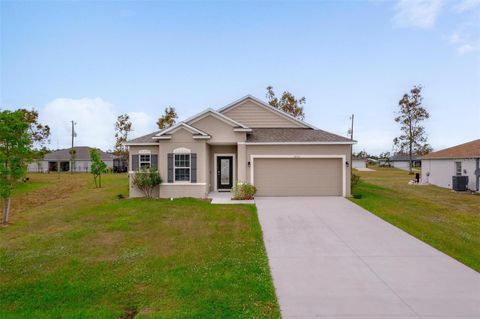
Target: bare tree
[
  {"x": 123, "y": 126},
  {"x": 168, "y": 119},
  {"x": 410, "y": 115},
  {"x": 287, "y": 103}
]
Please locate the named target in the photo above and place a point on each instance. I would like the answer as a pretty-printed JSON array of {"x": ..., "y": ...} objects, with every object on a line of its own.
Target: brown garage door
[{"x": 298, "y": 176}]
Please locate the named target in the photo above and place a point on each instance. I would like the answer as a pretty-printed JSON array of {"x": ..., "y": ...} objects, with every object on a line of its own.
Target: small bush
[
  {"x": 120, "y": 196},
  {"x": 355, "y": 179},
  {"x": 243, "y": 191},
  {"x": 146, "y": 180}
]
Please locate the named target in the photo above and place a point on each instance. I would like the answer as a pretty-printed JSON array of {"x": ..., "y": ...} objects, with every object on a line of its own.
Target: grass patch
[
  {"x": 88, "y": 254},
  {"x": 31, "y": 184},
  {"x": 447, "y": 220}
]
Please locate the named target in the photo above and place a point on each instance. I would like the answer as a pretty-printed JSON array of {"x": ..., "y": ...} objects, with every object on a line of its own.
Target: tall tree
[
  {"x": 287, "y": 103},
  {"x": 97, "y": 168},
  {"x": 168, "y": 119},
  {"x": 20, "y": 133},
  {"x": 410, "y": 116},
  {"x": 123, "y": 126}
]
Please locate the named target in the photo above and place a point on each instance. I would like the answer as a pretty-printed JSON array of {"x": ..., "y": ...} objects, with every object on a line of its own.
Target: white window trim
[
  {"x": 140, "y": 162},
  {"x": 342, "y": 157},
  {"x": 189, "y": 167},
  {"x": 234, "y": 177},
  {"x": 182, "y": 150}
]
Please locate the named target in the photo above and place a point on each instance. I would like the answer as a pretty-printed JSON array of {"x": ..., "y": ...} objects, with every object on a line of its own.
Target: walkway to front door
[{"x": 332, "y": 259}]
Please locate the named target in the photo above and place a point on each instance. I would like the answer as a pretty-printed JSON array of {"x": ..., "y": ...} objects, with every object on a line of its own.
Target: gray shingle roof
[
  {"x": 359, "y": 158},
  {"x": 83, "y": 154},
  {"x": 145, "y": 138},
  {"x": 259, "y": 135},
  {"x": 402, "y": 157}
]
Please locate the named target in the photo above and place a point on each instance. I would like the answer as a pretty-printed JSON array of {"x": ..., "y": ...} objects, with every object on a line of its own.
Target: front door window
[{"x": 224, "y": 172}]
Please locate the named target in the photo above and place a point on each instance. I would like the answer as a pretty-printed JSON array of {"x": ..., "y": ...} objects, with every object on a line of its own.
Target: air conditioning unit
[{"x": 460, "y": 183}]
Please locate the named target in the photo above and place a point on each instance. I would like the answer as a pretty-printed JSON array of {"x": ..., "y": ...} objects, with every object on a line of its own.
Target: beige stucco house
[{"x": 249, "y": 141}]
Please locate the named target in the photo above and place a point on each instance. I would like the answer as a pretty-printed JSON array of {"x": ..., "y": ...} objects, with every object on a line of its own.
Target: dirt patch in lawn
[
  {"x": 129, "y": 314},
  {"x": 60, "y": 186}
]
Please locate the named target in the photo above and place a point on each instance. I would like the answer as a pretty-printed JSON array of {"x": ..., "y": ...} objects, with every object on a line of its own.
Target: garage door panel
[{"x": 298, "y": 176}]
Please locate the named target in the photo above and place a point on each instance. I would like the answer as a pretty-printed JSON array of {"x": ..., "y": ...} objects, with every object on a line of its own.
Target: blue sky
[{"x": 91, "y": 61}]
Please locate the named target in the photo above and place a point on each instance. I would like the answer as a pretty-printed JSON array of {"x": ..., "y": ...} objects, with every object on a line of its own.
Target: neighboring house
[
  {"x": 120, "y": 164},
  {"x": 60, "y": 161},
  {"x": 250, "y": 141},
  {"x": 439, "y": 167},
  {"x": 401, "y": 161},
  {"x": 359, "y": 162}
]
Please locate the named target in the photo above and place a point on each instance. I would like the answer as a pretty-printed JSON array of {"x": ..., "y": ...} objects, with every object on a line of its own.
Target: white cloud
[
  {"x": 417, "y": 13},
  {"x": 466, "y": 5},
  {"x": 95, "y": 120},
  {"x": 142, "y": 124},
  {"x": 466, "y": 39}
]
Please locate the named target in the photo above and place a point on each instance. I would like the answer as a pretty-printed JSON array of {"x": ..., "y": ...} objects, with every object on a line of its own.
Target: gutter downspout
[{"x": 477, "y": 169}]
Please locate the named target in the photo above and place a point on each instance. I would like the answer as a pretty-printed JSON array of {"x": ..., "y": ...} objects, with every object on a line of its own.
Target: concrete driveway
[{"x": 332, "y": 259}]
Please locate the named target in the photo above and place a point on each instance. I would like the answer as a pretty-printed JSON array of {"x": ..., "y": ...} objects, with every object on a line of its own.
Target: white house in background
[
  {"x": 60, "y": 161},
  {"x": 401, "y": 161},
  {"x": 359, "y": 162},
  {"x": 439, "y": 167}
]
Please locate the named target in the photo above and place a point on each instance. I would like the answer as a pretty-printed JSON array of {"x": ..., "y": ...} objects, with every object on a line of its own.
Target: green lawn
[
  {"x": 31, "y": 185},
  {"x": 79, "y": 252},
  {"x": 446, "y": 220}
]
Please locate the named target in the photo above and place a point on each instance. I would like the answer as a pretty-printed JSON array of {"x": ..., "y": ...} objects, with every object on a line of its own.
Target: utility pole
[
  {"x": 351, "y": 150},
  {"x": 72, "y": 151},
  {"x": 351, "y": 128},
  {"x": 73, "y": 131}
]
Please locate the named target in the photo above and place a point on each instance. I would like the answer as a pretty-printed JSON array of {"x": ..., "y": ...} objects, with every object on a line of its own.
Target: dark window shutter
[
  {"x": 170, "y": 167},
  {"x": 154, "y": 162},
  {"x": 193, "y": 168},
  {"x": 134, "y": 162}
]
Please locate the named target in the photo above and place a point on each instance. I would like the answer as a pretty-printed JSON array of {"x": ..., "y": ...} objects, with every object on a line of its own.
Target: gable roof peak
[
  {"x": 179, "y": 125},
  {"x": 216, "y": 114},
  {"x": 267, "y": 107}
]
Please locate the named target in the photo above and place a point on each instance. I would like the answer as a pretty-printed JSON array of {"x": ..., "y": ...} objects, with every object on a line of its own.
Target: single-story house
[
  {"x": 248, "y": 141},
  {"x": 359, "y": 162},
  {"x": 438, "y": 168},
  {"x": 402, "y": 160},
  {"x": 60, "y": 161}
]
